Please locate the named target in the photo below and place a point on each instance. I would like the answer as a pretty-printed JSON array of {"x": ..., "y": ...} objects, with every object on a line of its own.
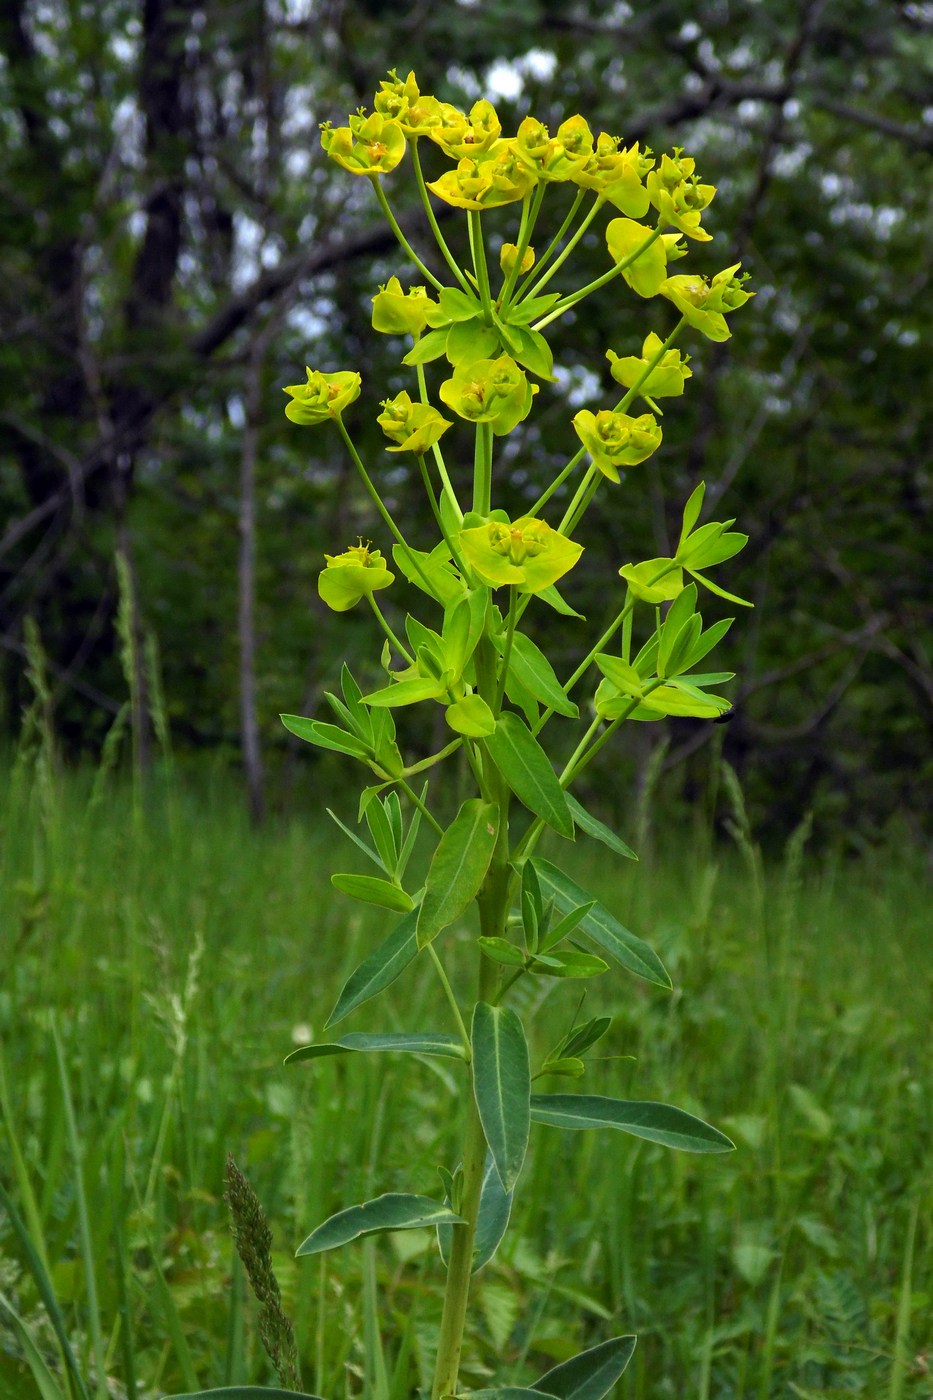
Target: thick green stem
[{"x": 493, "y": 902}]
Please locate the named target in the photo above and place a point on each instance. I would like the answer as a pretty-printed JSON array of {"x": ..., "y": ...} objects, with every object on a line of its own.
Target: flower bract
[
  {"x": 352, "y": 575},
  {"x": 324, "y": 396},
  {"x": 706, "y": 304},
  {"x": 615, "y": 440},
  {"x": 666, "y": 379},
  {"x": 412, "y": 427},
  {"x": 489, "y": 391},
  {"x": 370, "y": 145},
  {"x": 404, "y": 313},
  {"x": 526, "y": 553}
]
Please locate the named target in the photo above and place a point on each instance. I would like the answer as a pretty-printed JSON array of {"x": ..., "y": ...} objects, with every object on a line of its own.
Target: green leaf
[
  {"x": 600, "y": 926},
  {"x": 691, "y": 513},
  {"x": 707, "y": 640},
  {"x": 534, "y": 352},
  {"x": 527, "y": 769},
  {"x": 448, "y": 1047},
  {"x": 533, "y": 917},
  {"x": 471, "y": 340},
  {"x": 656, "y": 1122},
  {"x": 720, "y": 592},
  {"x": 357, "y": 840},
  {"x": 458, "y": 867},
  {"x": 595, "y": 828},
  {"x": 326, "y": 736},
  {"x": 592, "y": 1374},
  {"x": 568, "y": 963},
  {"x": 457, "y": 305},
  {"x": 557, "y": 602},
  {"x": 502, "y": 1086},
  {"x": 245, "y": 1392},
  {"x": 508, "y": 1392},
  {"x": 417, "y": 566},
  {"x": 585, "y": 1036},
  {"x": 471, "y": 716},
  {"x": 535, "y": 673},
  {"x": 528, "y": 310},
  {"x": 406, "y": 692},
  {"x": 371, "y": 890},
  {"x": 492, "y": 1220},
  {"x": 380, "y": 828},
  {"x": 426, "y": 348},
  {"x": 392, "y": 1211},
  {"x": 47, "y": 1386},
  {"x": 502, "y": 951},
  {"x": 379, "y": 970}
]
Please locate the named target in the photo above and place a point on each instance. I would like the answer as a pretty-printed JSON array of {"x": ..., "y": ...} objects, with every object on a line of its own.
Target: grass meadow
[{"x": 159, "y": 960}]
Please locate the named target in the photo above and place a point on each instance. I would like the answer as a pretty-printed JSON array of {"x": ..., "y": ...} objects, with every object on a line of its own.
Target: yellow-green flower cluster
[
  {"x": 492, "y": 169},
  {"x": 526, "y": 553},
  {"x": 490, "y": 391},
  {"x": 324, "y": 396},
  {"x": 353, "y": 575},
  {"x": 666, "y": 378},
  {"x": 615, "y": 440},
  {"x": 412, "y": 427}
]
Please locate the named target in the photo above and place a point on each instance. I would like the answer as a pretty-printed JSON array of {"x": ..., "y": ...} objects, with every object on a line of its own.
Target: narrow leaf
[
  {"x": 458, "y": 867},
  {"x": 379, "y": 970},
  {"x": 527, "y": 769},
  {"x": 595, "y": 828},
  {"x": 371, "y": 890},
  {"x": 502, "y": 951},
  {"x": 600, "y": 926},
  {"x": 533, "y": 670},
  {"x": 495, "y": 1205},
  {"x": 406, "y": 692},
  {"x": 413, "y": 1042},
  {"x": 508, "y": 1392},
  {"x": 592, "y": 1374},
  {"x": 392, "y": 1211},
  {"x": 325, "y": 736},
  {"x": 502, "y": 1086},
  {"x": 656, "y": 1122},
  {"x": 245, "y": 1392}
]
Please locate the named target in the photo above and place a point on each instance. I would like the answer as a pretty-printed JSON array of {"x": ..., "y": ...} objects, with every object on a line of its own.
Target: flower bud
[{"x": 508, "y": 254}]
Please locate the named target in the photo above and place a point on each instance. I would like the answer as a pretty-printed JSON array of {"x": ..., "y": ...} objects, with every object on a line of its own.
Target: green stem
[
  {"x": 448, "y": 256},
  {"x": 393, "y": 224},
  {"x": 580, "y": 495},
  {"x": 449, "y": 993},
  {"x": 482, "y": 469},
  {"x": 562, "y": 257},
  {"x": 436, "y": 449},
  {"x": 526, "y": 289},
  {"x": 558, "y": 481},
  {"x": 478, "y": 250},
  {"x": 507, "y": 649},
  {"x": 567, "y": 302},
  {"x": 591, "y": 486},
  {"x": 570, "y": 773},
  {"x": 493, "y": 902},
  {"x": 424, "y": 764},
  {"x": 531, "y": 207},
  {"x": 402, "y": 651},
  {"x": 380, "y": 505}
]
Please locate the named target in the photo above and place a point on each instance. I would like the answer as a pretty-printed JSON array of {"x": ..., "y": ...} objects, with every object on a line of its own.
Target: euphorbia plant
[{"x": 526, "y": 734}]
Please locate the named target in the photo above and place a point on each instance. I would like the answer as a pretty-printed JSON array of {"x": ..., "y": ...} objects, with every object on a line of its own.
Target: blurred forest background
[{"x": 175, "y": 247}]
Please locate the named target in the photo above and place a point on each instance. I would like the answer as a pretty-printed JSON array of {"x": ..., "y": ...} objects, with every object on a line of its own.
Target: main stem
[{"x": 493, "y": 902}]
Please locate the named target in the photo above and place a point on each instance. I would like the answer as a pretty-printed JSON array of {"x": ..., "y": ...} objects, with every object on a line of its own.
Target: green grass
[{"x": 156, "y": 967}]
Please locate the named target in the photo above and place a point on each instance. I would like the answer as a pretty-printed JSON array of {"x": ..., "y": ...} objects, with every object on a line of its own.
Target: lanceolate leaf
[
  {"x": 533, "y": 670},
  {"x": 379, "y": 970},
  {"x": 509, "y": 1392},
  {"x": 592, "y": 1374},
  {"x": 414, "y": 1042},
  {"x": 502, "y": 1086},
  {"x": 600, "y": 926},
  {"x": 656, "y": 1122},
  {"x": 390, "y": 1212},
  {"x": 458, "y": 867},
  {"x": 528, "y": 772},
  {"x": 245, "y": 1392},
  {"x": 325, "y": 736},
  {"x": 495, "y": 1205},
  {"x": 371, "y": 890},
  {"x": 595, "y": 828}
]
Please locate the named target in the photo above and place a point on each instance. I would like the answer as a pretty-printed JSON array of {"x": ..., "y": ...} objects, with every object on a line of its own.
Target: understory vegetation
[{"x": 161, "y": 959}]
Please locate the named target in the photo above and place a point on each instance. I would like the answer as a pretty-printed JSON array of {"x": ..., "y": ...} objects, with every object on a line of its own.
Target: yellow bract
[
  {"x": 615, "y": 440},
  {"x": 490, "y": 391},
  {"x": 706, "y": 304},
  {"x": 413, "y": 427},
  {"x": 664, "y": 381},
  {"x": 351, "y": 576},
  {"x": 403, "y": 313},
  {"x": 527, "y": 553},
  {"x": 370, "y": 145},
  {"x": 324, "y": 396},
  {"x": 485, "y": 180}
]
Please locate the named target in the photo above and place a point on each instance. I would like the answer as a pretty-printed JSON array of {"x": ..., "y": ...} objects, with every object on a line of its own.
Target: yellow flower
[
  {"x": 460, "y": 136},
  {"x": 352, "y": 575},
  {"x": 490, "y": 391},
  {"x": 324, "y": 396},
  {"x": 485, "y": 181},
  {"x": 678, "y": 197},
  {"x": 526, "y": 553},
  {"x": 370, "y": 145},
  {"x": 666, "y": 379},
  {"x": 615, "y": 440},
  {"x": 396, "y": 96},
  {"x": 554, "y": 158},
  {"x": 705, "y": 304},
  {"x": 413, "y": 427},
  {"x": 617, "y": 175},
  {"x": 403, "y": 313},
  {"x": 508, "y": 254}
]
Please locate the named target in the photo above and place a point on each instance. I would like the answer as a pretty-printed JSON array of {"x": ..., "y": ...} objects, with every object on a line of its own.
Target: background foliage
[{"x": 175, "y": 247}]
